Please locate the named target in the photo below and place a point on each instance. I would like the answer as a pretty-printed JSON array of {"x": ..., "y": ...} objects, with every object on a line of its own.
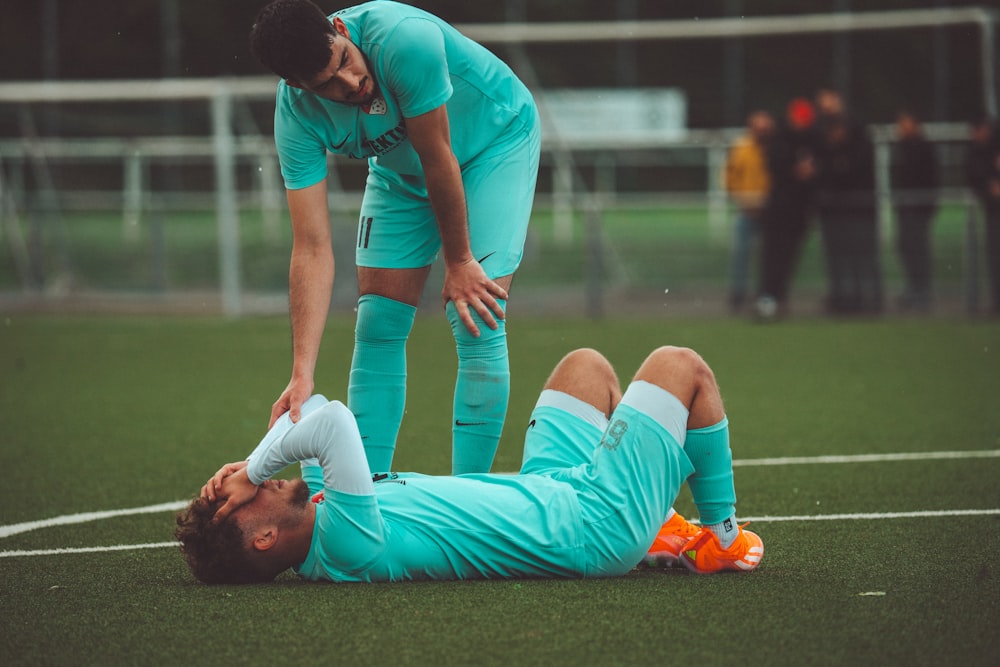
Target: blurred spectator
[
  {"x": 747, "y": 181},
  {"x": 982, "y": 168},
  {"x": 914, "y": 193},
  {"x": 830, "y": 105},
  {"x": 847, "y": 211},
  {"x": 784, "y": 222}
]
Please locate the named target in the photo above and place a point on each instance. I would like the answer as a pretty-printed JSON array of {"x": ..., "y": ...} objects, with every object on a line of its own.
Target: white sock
[
  {"x": 726, "y": 531},
  {"x": 670, "y": 515}
]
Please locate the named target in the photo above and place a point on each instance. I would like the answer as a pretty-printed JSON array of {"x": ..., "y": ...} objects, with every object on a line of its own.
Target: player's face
[
  {"x": 275, "y": 499},
  {"x": 346, "y": 78}
]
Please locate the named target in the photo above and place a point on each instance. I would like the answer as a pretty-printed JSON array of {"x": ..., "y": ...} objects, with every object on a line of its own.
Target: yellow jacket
[{"x": 746, "y": 177}]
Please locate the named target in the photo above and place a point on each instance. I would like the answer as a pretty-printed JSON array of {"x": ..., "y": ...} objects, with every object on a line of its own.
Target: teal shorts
[
  {"x": 627, "y": 470},
  {"x": 398, "y": 229}
]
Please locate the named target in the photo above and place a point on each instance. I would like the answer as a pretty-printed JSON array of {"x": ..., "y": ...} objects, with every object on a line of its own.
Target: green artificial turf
[{"x": 110, "y": 413}]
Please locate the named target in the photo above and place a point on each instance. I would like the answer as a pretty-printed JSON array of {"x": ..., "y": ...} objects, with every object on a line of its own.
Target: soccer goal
[{"x": 114, "y": 153}]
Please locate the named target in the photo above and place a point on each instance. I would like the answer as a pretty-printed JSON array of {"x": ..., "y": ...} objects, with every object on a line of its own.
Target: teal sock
[
  {"x": 482, "y": 390},
  {"x": 376, "y": 393},
  {"x": 712, "y": 484}
]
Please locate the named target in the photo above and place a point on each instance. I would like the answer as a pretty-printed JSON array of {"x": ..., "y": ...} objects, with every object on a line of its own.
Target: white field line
[
  {"x": 68, "y": 519},
  {"x": 867, "y": 458},
  {"x": 85, "y": 550},
  {"x": 924, "y": 514},
  {"x": 866, "y": 516}
]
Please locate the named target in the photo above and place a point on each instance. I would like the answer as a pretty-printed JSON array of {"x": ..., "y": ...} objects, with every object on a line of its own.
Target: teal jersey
[
  {"x": 409, "y": 526},
  {"x": 419, "y": 62},
  {"x": 419, "y": 527},
  {"x": 590, "y": 497}
]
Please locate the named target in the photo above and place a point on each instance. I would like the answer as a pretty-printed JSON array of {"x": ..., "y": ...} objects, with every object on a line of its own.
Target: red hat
[{"x": 801, "y": 113}]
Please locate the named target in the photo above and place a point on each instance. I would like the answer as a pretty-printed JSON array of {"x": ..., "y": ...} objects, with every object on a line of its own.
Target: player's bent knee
[
  {"x": 679, "y": 370},
  {"x": 588, "y": 375},
  {"x": 591, "y": 362}
]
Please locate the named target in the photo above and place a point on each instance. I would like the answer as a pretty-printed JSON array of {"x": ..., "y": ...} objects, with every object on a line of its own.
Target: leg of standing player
[
  {"x": 499, "y": 192},
  {"x": 377, "y": 386}
]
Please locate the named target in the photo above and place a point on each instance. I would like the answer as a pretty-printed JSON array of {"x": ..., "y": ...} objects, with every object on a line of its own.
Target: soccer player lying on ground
[{"x": 600, "y": 472}]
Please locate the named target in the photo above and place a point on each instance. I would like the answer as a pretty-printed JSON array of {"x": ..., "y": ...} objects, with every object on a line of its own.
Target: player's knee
[
  {"x": 587, "y": 366},
  {"x": 381, "y": 319},
  {"x": 488, "y": 337},
  {"x": 588, "y": 375},
  {"x": 591, "y": 362},
  {"x": 672, "y": 364}
]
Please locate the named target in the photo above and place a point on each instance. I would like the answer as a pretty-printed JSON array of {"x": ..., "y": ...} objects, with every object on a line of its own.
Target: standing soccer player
[{"x": 452, "y": 140}]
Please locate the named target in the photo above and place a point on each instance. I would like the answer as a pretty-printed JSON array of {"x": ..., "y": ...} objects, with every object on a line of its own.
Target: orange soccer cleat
[
  {"x": 673, "y": 535},
  {"x": 705, "y": 555}
]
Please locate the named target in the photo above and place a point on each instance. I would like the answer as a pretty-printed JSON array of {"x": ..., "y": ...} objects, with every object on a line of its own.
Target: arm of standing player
[
  {"x": 310, "y": 284},
  {"x": 466, "y": 284}
]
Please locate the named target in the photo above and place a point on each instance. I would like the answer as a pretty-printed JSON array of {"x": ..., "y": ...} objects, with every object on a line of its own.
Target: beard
[{"x": 301, "y": 495}]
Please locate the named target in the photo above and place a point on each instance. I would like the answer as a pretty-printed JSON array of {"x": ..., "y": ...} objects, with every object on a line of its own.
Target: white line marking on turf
[
  {"x": 863, "y": 516},
  {"x": 868, "y": 458},
  {"x": 759, "y": 519},
  {"x": 67, "y": 519},
  {"x": 85, "y": 550}
]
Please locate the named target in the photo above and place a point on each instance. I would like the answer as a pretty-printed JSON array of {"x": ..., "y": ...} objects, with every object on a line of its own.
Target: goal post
[
  {"x": 225, "y": 145},
  {"x": 219, "y": 94},
  {"x": 985, "y": 20}
]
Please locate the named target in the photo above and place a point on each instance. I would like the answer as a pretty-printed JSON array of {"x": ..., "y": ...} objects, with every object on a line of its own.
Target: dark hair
[
  {"x": 215, "y": 550},
  {"x": 292, "y": 38}
]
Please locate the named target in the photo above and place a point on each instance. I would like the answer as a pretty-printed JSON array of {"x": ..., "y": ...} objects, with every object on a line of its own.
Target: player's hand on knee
[{"x": 468, "y": 287}]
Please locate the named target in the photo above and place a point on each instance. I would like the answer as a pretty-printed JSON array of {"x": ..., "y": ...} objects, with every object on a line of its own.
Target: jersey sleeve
[
  {"x": 327, "y": 433},
  {"x": 351, "y": 531},
  {"x": 416, "y": 67},
  {"x": 301, "y": 152}
]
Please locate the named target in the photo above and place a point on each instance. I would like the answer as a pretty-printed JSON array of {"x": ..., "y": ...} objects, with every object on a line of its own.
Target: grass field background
[{"x": 114, "y": 413}]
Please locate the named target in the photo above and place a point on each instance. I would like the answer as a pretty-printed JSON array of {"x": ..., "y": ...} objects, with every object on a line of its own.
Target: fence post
[
  {"x": 595, "y": 260},
  {"x": 718, "y": 206},
  {"x": 225, "y": 199},
  {"x": 10, "y": 226},
  {"x": 270, "y": 199},
  {"x": 970, "y": 255},
  {"x": 134, "y": 186},
  {"x": 562, "y": 199},
  {"x": 883, "y": 186}
]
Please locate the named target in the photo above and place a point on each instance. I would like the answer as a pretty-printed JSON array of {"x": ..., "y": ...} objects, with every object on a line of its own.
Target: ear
[
  {"x": 341, "y": 27},
  {"x": 265, "y": 538}
]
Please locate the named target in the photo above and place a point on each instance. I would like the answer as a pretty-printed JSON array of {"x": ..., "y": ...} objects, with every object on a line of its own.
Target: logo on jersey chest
[
  {"x": 385, "y": 142},
  {"x": 377, "y": 107}
]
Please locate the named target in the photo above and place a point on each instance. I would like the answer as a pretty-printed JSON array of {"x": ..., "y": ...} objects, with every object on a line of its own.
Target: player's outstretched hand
[
  {"x": 291, "y": 400},
  {"x": 468, "y": 287}
]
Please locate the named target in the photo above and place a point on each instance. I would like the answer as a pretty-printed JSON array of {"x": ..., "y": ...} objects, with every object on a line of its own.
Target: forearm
[
  {"x": 284, "y": 423},
  {"x": 310, "y": 284},
  {"x": 430, "y": 135},
  {"x": 330, "y": 435},
  {"x": 310, "y": 275},
  {"x": 447, "y": 195}
]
